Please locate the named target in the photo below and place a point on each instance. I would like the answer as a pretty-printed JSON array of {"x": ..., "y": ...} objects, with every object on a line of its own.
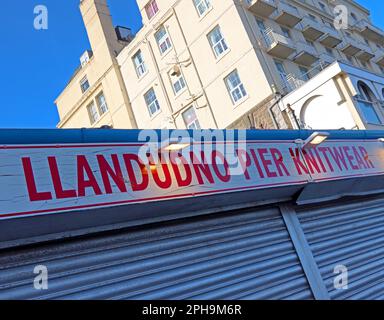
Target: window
[
  {"x": 93, "y": 113},
  {"x": 286, "y": 32},
  {"x": 283, "y": 74},
  {"x": 202, "y": 6},
  {"x": 178, "y": 83},
  {"x": 323, "y": 7},
  {"x": 151, "y": 9},
  {"x": 261, "y": 24},
  {"x": 329, "y": 51},
  {"x": 217, "y": 42},
  {"x": 354, "y": 17},
  {"x": 304, "y": 73},
  {"x": 84, "y": 84},
  {"x": 310, "y": 43},
  {"x": 138, "y": 61},
  {"x": 235, "y": 87},
  {"x": 350, "y": 59},
  {"x": 190, "y": 119},
  {"x": 151, "y": 101},
  {"x": 101, "y": 103},
  {"x": 163, "y": 40}
]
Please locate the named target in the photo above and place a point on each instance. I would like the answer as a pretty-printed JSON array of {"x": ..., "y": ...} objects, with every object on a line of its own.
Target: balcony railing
[
  {"x": 311, "y": 29},
  {"x": 379, "y": 57},
  {"x": 295, "y": 81},
  {"x": 368, "y": 30},
  {"x": 262, "y": 8},
  {"x": 327, "y": 58},
  {"x": 366, "y": 52},
  {"x": 306, "y": 54},
  {"x": 331, "y": 38},
  {"x": 277, "y": 44},
  {"x": 349, "y": 46},
  {"x": 287, "y": 15}
]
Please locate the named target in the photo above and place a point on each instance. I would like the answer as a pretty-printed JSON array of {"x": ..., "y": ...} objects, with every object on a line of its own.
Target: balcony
[
  {"x": 311, "y": 29},
  {"x": 327, "y": 58},
  {"x": 369, "y": 31},
  {"x": 350, "y": 47},
  {"x": 306, "y": 56},
  {"x": 331, "y": 38},
  {"x": 287, "y": 15},
  {"x": 379, "y": 57},
  {"x": 293, "y": 81},
  {"x": 262, "y": 8},
  {"x": 366, "y": 53},
  {"x": 278, "y": 45}
]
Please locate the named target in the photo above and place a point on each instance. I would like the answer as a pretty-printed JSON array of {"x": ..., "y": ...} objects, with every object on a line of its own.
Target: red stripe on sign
[{"x": 7, "y": 215}]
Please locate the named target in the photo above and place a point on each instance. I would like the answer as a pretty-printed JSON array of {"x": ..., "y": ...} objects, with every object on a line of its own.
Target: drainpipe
[
  {"x": 195, "y": 68},
  {"x": 292, "y": 114},
  {"x": 169, "y": 105}
]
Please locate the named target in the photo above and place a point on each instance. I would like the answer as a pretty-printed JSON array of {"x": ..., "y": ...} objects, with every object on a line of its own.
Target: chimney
[{"x": 98, "y": 23}]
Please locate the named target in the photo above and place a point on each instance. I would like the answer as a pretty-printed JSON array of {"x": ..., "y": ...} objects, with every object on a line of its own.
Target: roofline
[{"x": 62, "y": 136}]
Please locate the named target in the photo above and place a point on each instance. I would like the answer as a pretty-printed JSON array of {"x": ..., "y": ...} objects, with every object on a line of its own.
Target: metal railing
[
  {"x": 251, "y": 2},
  {"x": 295, "y": 81},
  {"x": 283, "y": 7},
  {"x": 363, "y": 23},
  {"x": 302, "y": 46},
  {"x": 271, "y": 37}
]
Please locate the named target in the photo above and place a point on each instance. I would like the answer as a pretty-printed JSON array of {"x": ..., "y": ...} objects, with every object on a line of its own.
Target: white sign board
[{"x": 47, "y": 179}]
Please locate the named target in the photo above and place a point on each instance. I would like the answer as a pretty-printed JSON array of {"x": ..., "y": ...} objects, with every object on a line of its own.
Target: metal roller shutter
[
  {"x": 246, "y": 254},
  {"x": 350, "y": 234}
]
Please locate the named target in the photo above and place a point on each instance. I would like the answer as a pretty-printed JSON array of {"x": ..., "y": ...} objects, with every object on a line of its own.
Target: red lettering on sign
[
  {"x": 338, "y": 157},
  {"x": 34, "y": 195},
  {"x": 84, "y": 167},
  {"x": 245, "y": 161},
  {"x": 176, "y": 170},
  {"x": 365, "y": 155},
  {"x": 115, "y": 173},
  {"x": 201, "y": 167},
  {"x": 299, "y": 164},
  {"x": 279, "y": 162},
  {"x": 135, "y": 185},
  {"x": 57, "y": 185},
  {"x": 324, "y": 150},
  {"x": 311, "y": 161},
  {"x": 167, "y": 182},
  {"x": 223, "y": 177},
  {"x": 256, "y": 161},
  {"x": 350, "y": 158}
]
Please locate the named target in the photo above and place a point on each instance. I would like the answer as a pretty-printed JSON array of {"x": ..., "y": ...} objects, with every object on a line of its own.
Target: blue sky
[{"x": 36, "y": 65}]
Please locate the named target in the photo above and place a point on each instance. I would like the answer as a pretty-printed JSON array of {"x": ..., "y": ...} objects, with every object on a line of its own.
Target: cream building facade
[{"x": 231, "y": 64}]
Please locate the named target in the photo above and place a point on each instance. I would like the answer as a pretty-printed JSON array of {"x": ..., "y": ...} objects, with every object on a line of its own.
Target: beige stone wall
[{"x": 206, "y": 90}]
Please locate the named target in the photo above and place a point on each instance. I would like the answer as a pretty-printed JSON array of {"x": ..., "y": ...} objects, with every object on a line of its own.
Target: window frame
[
  {"x": 222, "y": 43},
  {"x": 155, "y": 102},
  {"x": 83, "y": 81},
  {"x": 100, "y": 106},
  {"x": 91, "y": 114},
  {"x": 142, "y": 64},
  {"x": 196, "y": 120},
  {"x": 207, "y": 5},
  {"x": 165, "y": 38},
  {"x": 150, "y": 5},
  {"x": 178, "y": 79},
  {"x": 239, "y": 88}
]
